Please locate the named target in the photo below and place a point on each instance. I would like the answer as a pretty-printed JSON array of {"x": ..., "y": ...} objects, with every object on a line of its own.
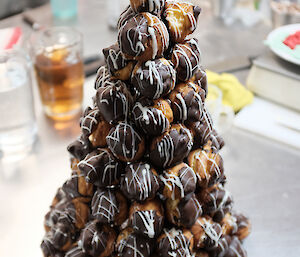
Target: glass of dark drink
[{"x": 57, "y": 55}]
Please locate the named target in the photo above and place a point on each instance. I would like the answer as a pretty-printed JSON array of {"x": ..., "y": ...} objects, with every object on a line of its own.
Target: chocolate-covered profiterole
[
  {"x": 125, "y": 15},
  {"x": 208, "y": 167},
  {"x": 125, "y": 143},
  {"x": 152, "y": 6},
  {"x": 178, "y": 181},
  {"x": 183, "y": 212},
  {"x": 47, "y": 246},
  {"x": 114, "y": 101},
  {"x": 131, "y": 245},
  {"x": 109, "y": 206},
  {"x": 200, "y": 78},
  {"x": 171, "y": 147},
  {"x": 216, "y": 201},
  {"x": 101, "y": 168},
  {"x": 186, "y": 58},
  {"x": 181, "y": 19},
  {"x": 187, "y": 101},
  {"x": 77, "y": 187},
  {"x": 236, "y": 224},
  {"x": 206, "y": 232},
  {"x": 118, "y": 66},
  {"x": 80, "y": 147},
  {"x": 203, "y": 132},
  {"x": 97, "y": 239},
  {"x": 175, "y": 243},
  {"x": 154, "y": 79},
  {"x": 89, "y": 120},
  {"x": 244, "y": 226},
  {"x": 140, "y": 181},
  {"x": 143, "y": 37},
  {"x": 61, "y": 235},
  {"x": 152, "y": 118},
  {"x": 147, "y": 218},
  {"x": 98, "y": 137},
  {"x": 235, "y": 249},
  {"x": 73, "y": 213},
  {"x": 103, "y": 75}
]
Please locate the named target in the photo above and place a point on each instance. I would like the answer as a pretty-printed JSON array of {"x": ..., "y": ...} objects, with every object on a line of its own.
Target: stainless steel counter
[{"x": 262, "y": 175}]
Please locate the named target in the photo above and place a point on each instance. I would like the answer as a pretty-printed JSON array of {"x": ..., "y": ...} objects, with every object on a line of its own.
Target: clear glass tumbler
[
  {"x": 58, "y": 64},
  {"x": 17, "y": 125}
]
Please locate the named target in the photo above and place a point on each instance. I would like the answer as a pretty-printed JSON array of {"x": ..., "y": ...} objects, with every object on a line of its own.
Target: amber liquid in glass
[{"x": 60, "y": 79}]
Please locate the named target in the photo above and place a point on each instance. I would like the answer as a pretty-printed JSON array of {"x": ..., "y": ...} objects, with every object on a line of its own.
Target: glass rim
[{"x": 77, "y": 35}]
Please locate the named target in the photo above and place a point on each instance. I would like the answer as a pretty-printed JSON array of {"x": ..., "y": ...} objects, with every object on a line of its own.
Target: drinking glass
[
  {"x": 17, "y": 126},
  {"x": 64, "y": 9},
  {"x": 57, "y": 56}
]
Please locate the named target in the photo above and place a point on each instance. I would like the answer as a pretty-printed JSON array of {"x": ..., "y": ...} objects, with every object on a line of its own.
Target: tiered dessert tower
[{"x": 147, "y": 177}]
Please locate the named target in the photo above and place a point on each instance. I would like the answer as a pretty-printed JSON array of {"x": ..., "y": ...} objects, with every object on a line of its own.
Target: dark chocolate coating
[
  {"x": 115, "y": 61},
  {"x": 133, "y": 35},
  {"x": 76, "y": 251},
  {"x": 200, "y": 78},
  {"x": 89, "y": 120},
  {"x": 143, "y": 37},
  {"x": 154, "y": 79},
  {"x": 105, "y": 206},
  {"x": 187, "y": 103},
  {"x": 125, "y": 142},
  {"x": 47, "y": 246},
  {"x": 62, "y": 234},
  {"x": 149, "y": 119},
  {"x": 114, "y": 101},
  {"x": 101, "y": 168},
  {"x": 172, "y": 147},
  {"x": 190, "y": 211},
  {"x": 174, "y": 243},
  {"x": 125, "y": 15},
  {"x": 80, "y": 147},
  {"x": 103, "y": 76},
  {"x": 61, "y": 209},
  {"x": 139, "y": 182},
  {"x": 216, "y": 202},
  {"x": 153, "y": 6},
  {"x": 235, "y": 249},
  {"x": 203, "y": 132},
  {"x": 186, "y": 58},
  {"x": 147, "y": 223},
  {"x": 221, "y": 248},
  {"x": 95, "y": 239},
  {"x": 179, "y": 181},
  {"x": 134, "y": 246},
  {"x": 206, "y": 233},
  {"x": 76, "y": 187}
]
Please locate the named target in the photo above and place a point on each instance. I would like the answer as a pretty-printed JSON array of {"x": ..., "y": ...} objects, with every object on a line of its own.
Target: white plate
[{"x": 290, "y": 29}]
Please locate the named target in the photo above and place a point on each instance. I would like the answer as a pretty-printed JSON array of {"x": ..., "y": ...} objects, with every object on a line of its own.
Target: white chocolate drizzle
[
  {"x": 141, "y": 181},
  {"x": 89, "y": 121},
  {"x": 105, "y": 205},
  {"x": 115, "y": 140}
]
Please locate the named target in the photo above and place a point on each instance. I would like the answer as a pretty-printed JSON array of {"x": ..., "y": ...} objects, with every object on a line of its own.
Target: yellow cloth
[{"x": 234, "y": 93}]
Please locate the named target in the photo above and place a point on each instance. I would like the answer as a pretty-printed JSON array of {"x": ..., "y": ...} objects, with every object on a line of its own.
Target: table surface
[{"x": 263, "y": 175}]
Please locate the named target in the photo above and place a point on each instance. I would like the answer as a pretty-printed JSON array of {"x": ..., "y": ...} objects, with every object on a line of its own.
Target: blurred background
[{"x": 251, "y": 51}]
